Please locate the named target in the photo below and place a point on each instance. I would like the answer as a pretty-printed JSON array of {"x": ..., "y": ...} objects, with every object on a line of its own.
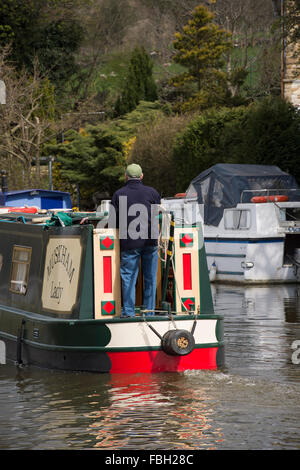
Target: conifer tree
[
  {"x": 92, "y": 157},
  {"x": 201, "y": 48},
  {"x": 139, "y": 83}
]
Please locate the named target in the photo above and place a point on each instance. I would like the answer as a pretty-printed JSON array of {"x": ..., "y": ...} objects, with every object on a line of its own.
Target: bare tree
[
  {"x": 25, "y": 122},
  {"x": 249, "y": 22},
  {"x": 105, "y": 23}
]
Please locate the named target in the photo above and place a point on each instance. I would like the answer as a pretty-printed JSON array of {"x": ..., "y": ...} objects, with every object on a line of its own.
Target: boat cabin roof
[{"x": 224, "y": 185}]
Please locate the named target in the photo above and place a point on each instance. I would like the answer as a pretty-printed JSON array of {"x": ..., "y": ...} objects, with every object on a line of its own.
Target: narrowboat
[
  {"x": 251, "y": 222},
  {"x": 60, "y": 298}
]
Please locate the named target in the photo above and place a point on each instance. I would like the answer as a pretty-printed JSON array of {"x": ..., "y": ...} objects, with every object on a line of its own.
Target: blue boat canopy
[
  {"x": 43, "y": 198},
  {"x": 224, "y": 185}
]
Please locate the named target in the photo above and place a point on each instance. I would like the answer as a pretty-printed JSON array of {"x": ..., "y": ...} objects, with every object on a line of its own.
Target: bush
[
  {"x": 265, "y": 133},
  {"x": 206, "y": 141},
  {"x": 272, "y": 135},
  {"x": 153, "y": 151}
]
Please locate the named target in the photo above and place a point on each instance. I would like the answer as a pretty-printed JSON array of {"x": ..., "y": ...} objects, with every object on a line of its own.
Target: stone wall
[{"x": 291, "y": 76}]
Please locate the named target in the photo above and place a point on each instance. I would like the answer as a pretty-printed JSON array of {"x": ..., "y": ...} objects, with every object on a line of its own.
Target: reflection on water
[
  {"x": 252, "y": 404},
  {"x": 280, "y": 303},
  {"x": 155, "y": 412},
  {"x": 261, "y": 325}
]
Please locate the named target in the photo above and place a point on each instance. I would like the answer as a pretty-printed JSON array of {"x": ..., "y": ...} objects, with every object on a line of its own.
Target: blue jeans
[{"x": 129, "y": 270}]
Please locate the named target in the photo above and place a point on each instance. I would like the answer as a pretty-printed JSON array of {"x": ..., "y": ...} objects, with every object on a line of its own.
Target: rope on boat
[
  {"x": 153, "y": 329},
  {"x": 170, "y": 254},
  {"x": 169, "y": 314}
]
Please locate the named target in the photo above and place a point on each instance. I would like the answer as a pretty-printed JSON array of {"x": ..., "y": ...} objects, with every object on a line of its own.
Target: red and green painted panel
[
  {"x": 188, "y": 303},
  {"x": 187, "y": 271},
  {"x": 107, "y": 275},
  {"x": 108, "y": 307},
  {"x": 107, "y": 242},
  {"x": 186, "y": 240}
]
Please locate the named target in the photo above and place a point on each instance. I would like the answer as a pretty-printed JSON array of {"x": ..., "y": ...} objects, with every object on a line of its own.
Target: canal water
[{"x": 254, "y": 403}]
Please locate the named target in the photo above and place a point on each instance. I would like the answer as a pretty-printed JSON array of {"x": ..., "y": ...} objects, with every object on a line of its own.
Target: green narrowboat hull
[
  {"x": 52, "y": 320},
  {"x": 85, "y": 345}
]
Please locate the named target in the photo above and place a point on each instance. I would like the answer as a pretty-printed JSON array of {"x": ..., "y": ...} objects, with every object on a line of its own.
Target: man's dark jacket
[{"x": 136, "y": 193}]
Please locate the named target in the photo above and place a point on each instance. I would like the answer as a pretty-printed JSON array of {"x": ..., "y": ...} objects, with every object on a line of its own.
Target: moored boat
[
  {"x": 60, "y": 299},
  {"x": 251, "y": 222}
]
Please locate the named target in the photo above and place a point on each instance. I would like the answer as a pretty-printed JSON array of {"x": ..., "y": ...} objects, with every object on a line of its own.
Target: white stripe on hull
[{"x": 139, "y": 334}]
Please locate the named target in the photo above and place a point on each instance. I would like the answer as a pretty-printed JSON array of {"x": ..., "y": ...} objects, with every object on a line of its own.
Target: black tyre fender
[{"x": 178, "y": 342}]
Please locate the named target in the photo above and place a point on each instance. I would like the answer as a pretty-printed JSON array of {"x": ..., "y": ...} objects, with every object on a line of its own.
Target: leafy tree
[
  {"x": 139, "y": 83},
  {"x": 266, "y": 133},
  {"x": 271, "y": 135},
  {"x": 200, "y": 48},
  {"x": 39, "y": 29},
  {"x": 18, "y": 26},
  {"x": 207, "y": 140},
  {"x": 55, "y": 47}
]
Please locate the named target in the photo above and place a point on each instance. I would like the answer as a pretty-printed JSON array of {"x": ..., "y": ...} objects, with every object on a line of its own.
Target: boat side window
[
  {"x": 237, "y": 219},
  {"x": 293, "y": 213},
  {"x": 289, "y": 214},
  {"x": 20, "y": 269}
]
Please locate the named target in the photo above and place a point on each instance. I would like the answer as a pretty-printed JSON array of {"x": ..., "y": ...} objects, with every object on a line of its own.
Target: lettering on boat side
[
  {"x": 56, "y": 291},
  {"x": 61, "y": 273},
  {"x": 2, "y": 352},
  {"x": 61, "y": 255}
]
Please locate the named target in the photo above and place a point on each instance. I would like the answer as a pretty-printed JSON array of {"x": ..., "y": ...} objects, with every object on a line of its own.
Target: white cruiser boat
[{"x": 251, "y": 221}]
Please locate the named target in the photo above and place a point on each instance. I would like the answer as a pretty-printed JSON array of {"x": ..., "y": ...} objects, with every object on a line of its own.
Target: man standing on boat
[{"x": 135, "y": 207}]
